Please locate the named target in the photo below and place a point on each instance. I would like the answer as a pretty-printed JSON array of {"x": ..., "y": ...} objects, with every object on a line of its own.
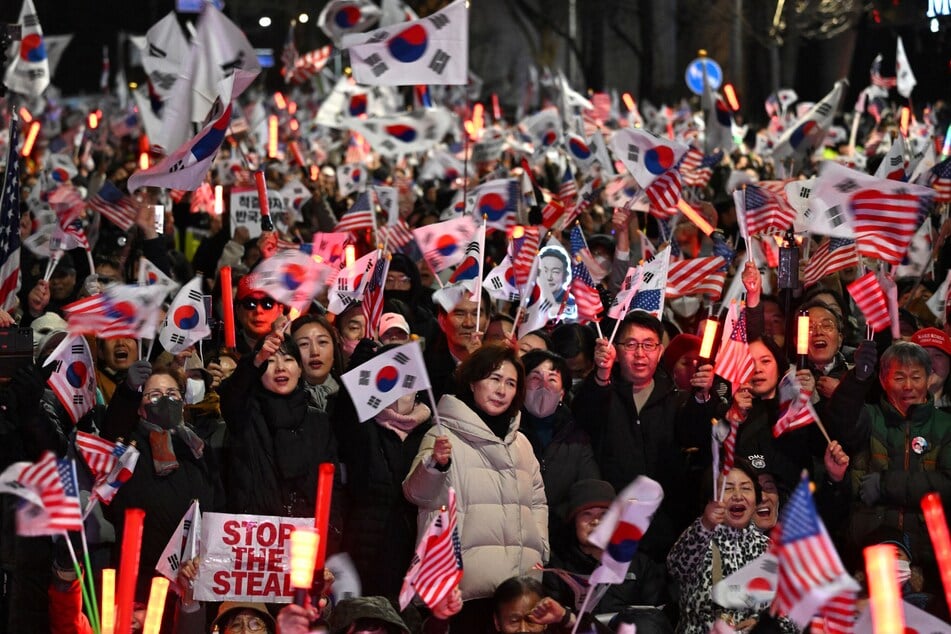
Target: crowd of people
[{"x": 538, "y": 431}]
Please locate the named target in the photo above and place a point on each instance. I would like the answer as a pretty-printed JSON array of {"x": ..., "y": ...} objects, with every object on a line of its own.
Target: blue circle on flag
[
  {"x": 186, "y": 317},
  {"x": 409, "y": 45},
  {"x": 694, "y": 75},
  {"x": 493, "y": 206},
  {"x": 76, "y": 374}
]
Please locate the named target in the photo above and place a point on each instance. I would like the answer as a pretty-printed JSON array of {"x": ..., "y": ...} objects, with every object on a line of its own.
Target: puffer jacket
[
  {"x": 500, "y": 497},
  {"x": 913, "y": 455}
]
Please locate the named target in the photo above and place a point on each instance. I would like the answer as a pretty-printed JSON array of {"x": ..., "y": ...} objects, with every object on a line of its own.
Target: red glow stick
[
  {"x": 129, "y": 568},
  {"x": 261, "y": 182},
  {"x": 227, "y": 301},
  {"x": 940, "y": 540},
  {"x": 325, "y": 483},
  {"x": 888, "y": 615}
]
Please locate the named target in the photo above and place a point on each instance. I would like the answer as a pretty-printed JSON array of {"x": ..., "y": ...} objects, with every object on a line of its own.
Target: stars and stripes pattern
[
  {"x": 885, "y": 222},
  {"x": 795, "y": 406},
  {"x": 373, "y": 295},
  {"x": 568, "y": 190},
  {"x": 359, "y": 217},
  {"x": 870, "y": 298},
  {"x": 697, "y": 276},
  {"x": 764, "y": 213},
  {"x": 397, "y": 235},
  {"x": 307, "y": 65},
  {"x": 733, "y": 362},
  {"x": 941, "y": 181},
  {"x": 876, "y": 77},
  {"x": 838, "y": 616},
  {"x": 117, "y": 208},
  {"x": 697, "y": 172},
  {"x": 54, "y": 481},
  {"x": 583, "y": 286},
  {"x": 553, "y": 210},
  {"x": 10, "y": 223},
  {"x": 107, "y": 485},
  {"x": 436, "y": 567},
  {"x": 729, "y": 448},
  {"x": 810, "y": 571},
  {"x": 832, "y": 255},
  {"x": 98, "y": 453},
  {"x": 524, "y": 249},
  {"x": 664, "y": 193}
]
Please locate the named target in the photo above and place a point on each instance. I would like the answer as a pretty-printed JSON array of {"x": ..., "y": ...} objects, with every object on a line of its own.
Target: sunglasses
[{"x": 250, "y": 303}]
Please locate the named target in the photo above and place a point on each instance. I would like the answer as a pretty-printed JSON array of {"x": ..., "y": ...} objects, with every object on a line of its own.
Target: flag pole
[
  {"x": 79, "y": 578},
  {"x": 584, "y": 240},
  {"x": 94, "y": 603},
  {"x": 478, "y": 289},
  {"x": 583, "y": 608},
  {"x": 436, "y": 419}
]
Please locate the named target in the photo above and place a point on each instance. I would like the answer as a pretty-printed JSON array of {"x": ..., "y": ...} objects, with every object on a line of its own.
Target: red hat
[
  {"x": 246, "y": 288},
  {"x": 678, "y": 347},
  {"x": 933, "y": 338}
]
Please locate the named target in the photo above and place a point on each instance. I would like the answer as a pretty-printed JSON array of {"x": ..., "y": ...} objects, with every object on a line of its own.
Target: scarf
[
  {"x": 403, "y": 424},
  {"x": 163, "y": 453},
  {"x": 319, "y": 394}
]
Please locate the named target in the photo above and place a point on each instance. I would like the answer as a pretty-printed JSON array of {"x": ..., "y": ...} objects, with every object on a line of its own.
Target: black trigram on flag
[
  {"x": 400, "y": 358},
  {"x": 176, "y": 338},
  {"x": 195, "y": 296},
  {"x": 173, "y": 561},
  {"x": 364, "y": 377},
  {"x": 374, "y": 402},
  {"x": 76, "y": 348},
  {"x": 439, "y": 61}
]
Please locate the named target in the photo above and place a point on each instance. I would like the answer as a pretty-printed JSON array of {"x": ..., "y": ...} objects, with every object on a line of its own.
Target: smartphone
[{"x": 16, "y": 349}]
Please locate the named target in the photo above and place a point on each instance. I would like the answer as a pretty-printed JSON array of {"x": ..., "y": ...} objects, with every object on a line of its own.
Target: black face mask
[{"x": 165, "y": 412}]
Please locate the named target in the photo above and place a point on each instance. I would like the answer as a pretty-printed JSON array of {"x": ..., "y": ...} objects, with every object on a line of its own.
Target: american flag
[
  {"x": 120, "y": 311},
  {"x": 810, "y": 571},
  {"x": 870, "y": 298},
  {"x": 875, "y": 74},
  {"x": 664, "y": 193},
  {"x": 795, "y": 406},
  {"x": 568, "y": 190},
  {"x": 523, "y": 251},
  {"x": 289, "y": 54},
  {"x": 99, "y": 454},
  {"x": 579, "y": 249},
  {"x": 10, "y": 223},
  {"x": 832, "y": 255},
  {"x": 838, "y": 616},
  {"x": 587, "y": 297},
  {"x": 764, "y": 212},
  {"x": 729, "y": 448},
  {"x": 54, "y": 481},
  {"x": 589, "y": 193},
  {"x": 359, "y": 217},
  {"x": 396, "y": 236},
  {"x": 699, "y": 176},
  {"x": 886, "y": 221},
  {"x": 941, "y": 181},
  {"x": 116, "y": 207},
  {"x": 733, "y": 361},
  {"x": 697, "y": 276},
  {"x": 373, "y": 295},
  {"x": 551, "y": 212},
  {"x": 436, "y": 567},
  {"x": 308, "y": 65},
  {"x": 691, "y": 160}
]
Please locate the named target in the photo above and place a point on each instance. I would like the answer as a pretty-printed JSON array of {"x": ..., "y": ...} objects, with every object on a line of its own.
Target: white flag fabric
[
  {"x": 893, "y": 165},
  {"x": 433, "y": 50},
  {"x": 622, "y": 527},
  {"x": 183, "y": 545},
  {"x": 385, "y": 378},
  {"x": 9, "y": 483},
  {"x": 544, "y": 130},
  {"x": 443, "y": 244},
  {"x": 644, "y": 155},
  {"x": 903, "y": 72},
  {"x": 343, "y": 17},
  {"x": 389, "y": 202},
  {"x": 186, "y": 167},
  {"x": 938, "y": 302},
  {"x": 186, "y": 322},
  {"x": 73, "y": 380},
  {"x": 348, "y": 285},
  {"x": 348, "y": 101},
  {"x": 916, "y": 620},
  {"x": 164, "y": 49},
  {"x": 150, "y": 275},
  {"x": 291, "y": 277},
  {"x": 395, "y": 12},
  {"x": 808, "y": 132},
  {"x": 351, "y": 178},
  {"x": 752, "y": 587},
  {"x": 500, "y": 282},
  {"x": 401, "y": 134},
  {"x": 218, "y": 50},
  {"x": 29, "y": 69}
]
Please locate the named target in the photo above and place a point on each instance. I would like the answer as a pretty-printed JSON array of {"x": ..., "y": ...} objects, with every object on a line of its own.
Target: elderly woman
[
  {"x": 717, "y": 544},
  {"x": 479, "y": 451},
  {"x": 900, "y": 448}
]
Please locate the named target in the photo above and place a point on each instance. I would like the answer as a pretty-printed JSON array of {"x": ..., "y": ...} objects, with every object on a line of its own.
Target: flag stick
[
  {"x": 583, "y": 609},
  {"x": 432, "y": 399},
  {"x": 79, "y": 578},
  {"x": 478, "y": 289},
  {"x": 94, "y": 604},
  {"x": 722, "y": 489},
  {"x": 822, "y": 428},
  {"x": 597, "y": 325},
  {"x": 715, "y": 446},
  {"x": 853, "y": 135},
  {"x": 617, "y": 322}
]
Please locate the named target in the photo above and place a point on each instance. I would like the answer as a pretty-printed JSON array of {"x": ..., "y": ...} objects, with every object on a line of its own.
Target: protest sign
[
  {"x": 246, "y": 212},
  {"x": 246, "y": 558}
]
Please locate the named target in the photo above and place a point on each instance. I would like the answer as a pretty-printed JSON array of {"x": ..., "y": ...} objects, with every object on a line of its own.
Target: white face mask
[
  {"x": 903, "y": 570},
  {"x": 541, "y": 401},
  {"x": 685, "y": 306},
  {"x": 603, "y": 260},
  {"x": 194, "y": 391}
]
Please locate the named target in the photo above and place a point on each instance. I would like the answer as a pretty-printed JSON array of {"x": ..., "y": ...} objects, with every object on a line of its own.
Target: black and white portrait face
[{"x": 554, "y": 270}]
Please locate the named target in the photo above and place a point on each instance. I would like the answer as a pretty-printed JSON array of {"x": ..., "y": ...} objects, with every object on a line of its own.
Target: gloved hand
[
  {"x": 866, "y": 355},
  {"x": 138, "y": 373},
  {"x": 870, "y": 488}
]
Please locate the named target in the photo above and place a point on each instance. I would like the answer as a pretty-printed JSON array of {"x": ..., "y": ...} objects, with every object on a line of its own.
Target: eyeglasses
[
  {"x": 248, "y": 624},
  {"x": 824, "y": 327},
  {"x": 647, "y": 346},
  {"x": 250, "y": 303},
  {"x": 398, "y": 281},
  {"x": 172, "y": 392}
]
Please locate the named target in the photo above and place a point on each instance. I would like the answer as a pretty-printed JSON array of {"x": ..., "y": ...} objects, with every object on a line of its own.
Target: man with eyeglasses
[
  {"x": 238, "y": 617},
  {"x": 825, "y": 343},
  {"x": 255, "y": 312},
  {"x": 633, "y": 412}
]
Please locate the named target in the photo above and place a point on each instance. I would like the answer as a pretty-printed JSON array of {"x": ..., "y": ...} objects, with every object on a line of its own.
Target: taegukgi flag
[{"x": 385, "y": 378}]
